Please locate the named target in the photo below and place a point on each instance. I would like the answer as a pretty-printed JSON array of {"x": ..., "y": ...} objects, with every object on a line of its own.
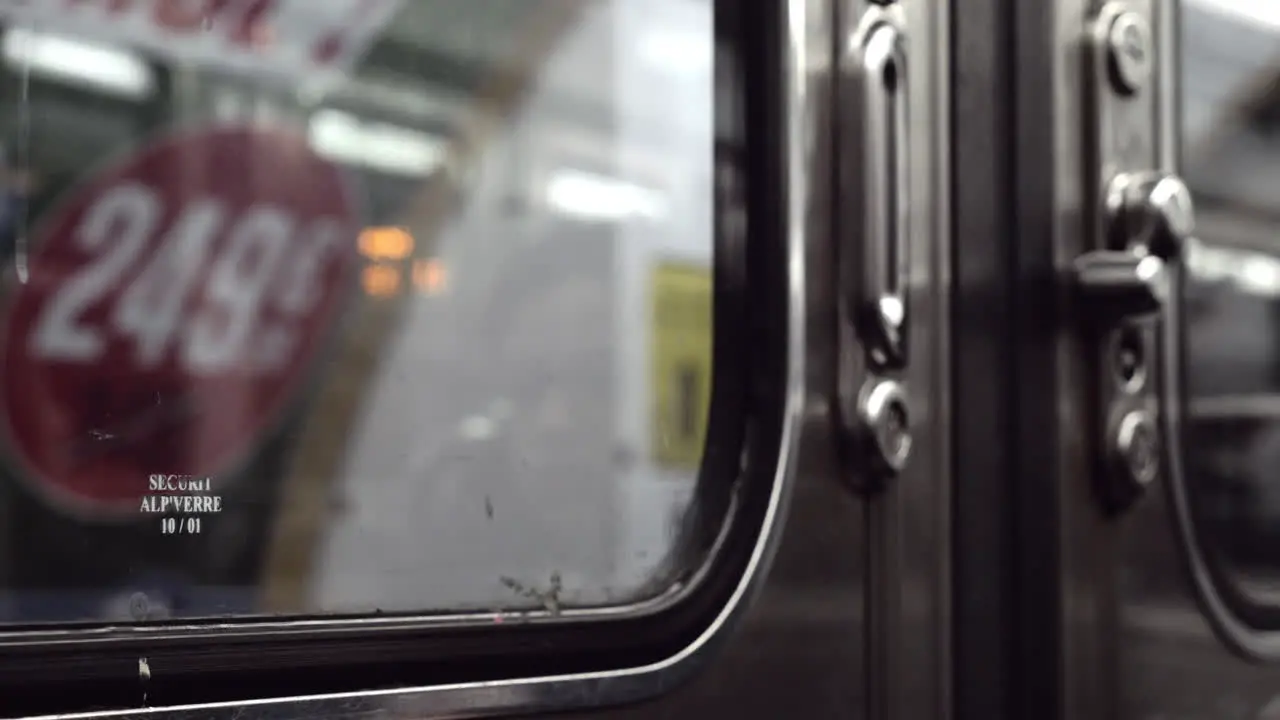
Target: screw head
[
  {"x": 882, "y": 409},
  {"x": 1130, "y": 52},
  {"x": 1138, "y": 445}
]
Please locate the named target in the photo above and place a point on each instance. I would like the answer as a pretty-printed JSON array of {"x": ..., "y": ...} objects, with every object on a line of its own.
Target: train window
[
  {"x": 361, "y": 314},
  {"x": 1230, "y": 156}
]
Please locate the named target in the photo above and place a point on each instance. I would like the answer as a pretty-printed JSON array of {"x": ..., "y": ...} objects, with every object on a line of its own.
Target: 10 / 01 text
[{"x": 180, "y": 526}]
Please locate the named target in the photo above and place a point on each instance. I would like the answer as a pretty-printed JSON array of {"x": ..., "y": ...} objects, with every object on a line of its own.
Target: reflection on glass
[
  {"x": 338, "y": 306},
  {"x": 1231, "y": 157}
]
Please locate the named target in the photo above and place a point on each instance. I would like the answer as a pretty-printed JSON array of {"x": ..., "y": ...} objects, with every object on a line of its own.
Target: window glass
[
  {"x": 350, "y": 306},
  {"x": 1230, "y": 150}
]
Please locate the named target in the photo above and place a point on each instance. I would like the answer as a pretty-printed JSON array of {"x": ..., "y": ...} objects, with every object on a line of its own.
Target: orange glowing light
[
  {"x": 386, "y": 243},
  {"x": 430, "y": 276},
  {"x": 380, "y": 280}
]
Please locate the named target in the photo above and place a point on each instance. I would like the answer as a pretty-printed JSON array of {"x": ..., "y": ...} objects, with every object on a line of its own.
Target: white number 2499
[{"x": 263, "y": 263}]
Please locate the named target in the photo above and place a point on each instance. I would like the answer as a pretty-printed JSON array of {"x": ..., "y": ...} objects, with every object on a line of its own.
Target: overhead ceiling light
[
  {"x": 97, "y": 66},
  {"x": 346, "y": 138},
  {"x": 679, "y": 52},
  {"x": 596, "y": 197},
  {"x": 385, "y": 243},
  {"x": 1265, "y": 12}
]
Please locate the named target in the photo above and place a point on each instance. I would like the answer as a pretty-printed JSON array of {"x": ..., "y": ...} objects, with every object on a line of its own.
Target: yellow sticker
[{"x": 680, "y": 363}]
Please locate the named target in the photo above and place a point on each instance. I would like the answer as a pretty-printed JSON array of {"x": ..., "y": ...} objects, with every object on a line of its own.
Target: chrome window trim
[{"x": 808, "y": 43}]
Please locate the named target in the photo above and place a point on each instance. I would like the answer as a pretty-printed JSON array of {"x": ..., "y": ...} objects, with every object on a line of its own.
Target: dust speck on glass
[{"x": 344, "y": 306}]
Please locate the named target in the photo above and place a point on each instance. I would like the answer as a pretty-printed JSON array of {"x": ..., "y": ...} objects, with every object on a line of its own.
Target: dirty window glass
[
  {"x": 350, "y": 306},
  {"x": 1230, "y": 118}
]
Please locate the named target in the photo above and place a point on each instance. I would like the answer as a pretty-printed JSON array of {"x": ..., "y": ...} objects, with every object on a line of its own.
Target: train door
[
  {"x": 440, "y": 359},
  {"x": 1153, "y": 517}
]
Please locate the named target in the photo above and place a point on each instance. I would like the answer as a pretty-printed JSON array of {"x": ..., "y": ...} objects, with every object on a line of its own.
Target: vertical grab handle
[
  {"x": 877, "y": 111},
  {"x": 872, "y": 227}
]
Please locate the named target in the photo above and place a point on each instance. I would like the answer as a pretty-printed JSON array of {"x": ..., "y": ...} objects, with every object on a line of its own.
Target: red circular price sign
[{"x": 171, "y": 309}]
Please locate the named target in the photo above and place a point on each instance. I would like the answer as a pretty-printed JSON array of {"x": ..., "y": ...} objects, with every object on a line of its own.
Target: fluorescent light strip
[
  {"x": 103, "y": 68},
  {"x": 1265, "y": 12},
  {"x": 1259, "y": 275},
  {"x": 679, "y": 52},
  {"x": 1252, "y": 272},
  {"x": 343, "y": 137},
  {"x": 596, "y": 197}
]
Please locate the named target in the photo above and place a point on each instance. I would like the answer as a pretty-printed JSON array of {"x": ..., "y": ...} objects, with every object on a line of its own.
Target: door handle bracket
[{"x": 1139, "y": 220}]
